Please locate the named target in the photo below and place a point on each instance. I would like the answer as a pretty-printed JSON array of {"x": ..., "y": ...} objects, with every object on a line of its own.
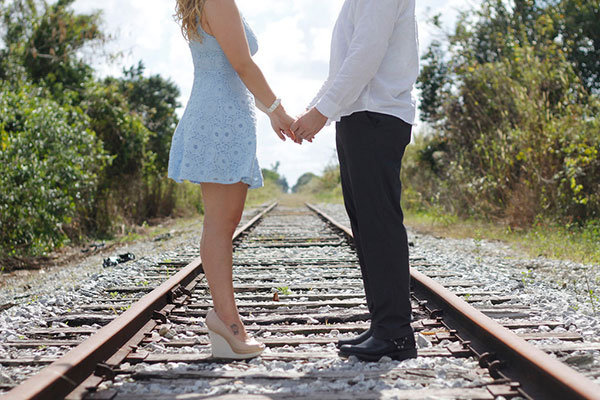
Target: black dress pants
[{"x": 370, "y": 149}]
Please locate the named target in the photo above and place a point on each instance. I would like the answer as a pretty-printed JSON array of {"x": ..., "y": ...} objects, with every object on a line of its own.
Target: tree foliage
[
  {"x": 80, "y": 155},
  {"x": 432, "y": 81},
  {"x": 578, "y": 27},
  {"x": 514, "y": 116},
  {"x": 50, "y": 162},
  {"x": 124, "y": 135},
  {"x": 326, "y": 187},
  {"x": 303, "y": 180},
  {"x": 44, "y": 40},
  {"x": 154, "y": 100},
  {"x": 272, "y": 174}
]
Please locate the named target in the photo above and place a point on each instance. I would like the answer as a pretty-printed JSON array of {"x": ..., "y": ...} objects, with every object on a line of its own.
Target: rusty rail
[
  {"x": 64, "y": 375},
  {"x": 506, "y": 354}
]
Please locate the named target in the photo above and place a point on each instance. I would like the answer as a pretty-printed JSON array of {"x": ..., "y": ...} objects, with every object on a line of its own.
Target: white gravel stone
[
  {"x": 537, "y": 283},
  {"x": 57, "y": 291},
  {"x": 553, "y": 290},
  {"x": 422, "y": 342}
]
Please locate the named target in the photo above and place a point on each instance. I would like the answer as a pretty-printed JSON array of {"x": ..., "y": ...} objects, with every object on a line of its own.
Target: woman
[{"x": 215, "y": 145}]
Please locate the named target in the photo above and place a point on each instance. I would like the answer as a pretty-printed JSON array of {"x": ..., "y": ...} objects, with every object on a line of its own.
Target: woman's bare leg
[{"x": 223, "y": 207}]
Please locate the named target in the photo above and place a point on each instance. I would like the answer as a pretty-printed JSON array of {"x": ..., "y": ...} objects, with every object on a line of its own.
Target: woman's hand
[{"x": 281, "y": 123}]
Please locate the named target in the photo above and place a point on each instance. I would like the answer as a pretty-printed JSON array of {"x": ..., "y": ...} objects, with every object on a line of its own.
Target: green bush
[
  {"x": 302, "y": 181},
  {"x": 272, "y": 174},
  {"x": 521, "y": 139},
  {"x": 49, "y": 168},
  {"x": 124, "y": 135},
  {"x": 81, "y": 157},
  {"x": 515, "y": 133},
  {"x": 327, "y": 187},
  {"x": 154, "y": 100}
]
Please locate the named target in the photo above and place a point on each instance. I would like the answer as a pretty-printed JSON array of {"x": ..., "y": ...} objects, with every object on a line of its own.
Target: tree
[
  {"x": 124, "y": 135},
  {"x": 303, "y": 180},
  {"x": 50, "y": 163},
  {"x": 154, "y": 100},
  {"x": 433, "y": 80},
  {"x": 79, "y": 155},
  {"x": 273, "y": 175},
  {"x": 45, "y": 39},
  {"x": 579, "y": 29},
  {"x": 516, "y": 126}
]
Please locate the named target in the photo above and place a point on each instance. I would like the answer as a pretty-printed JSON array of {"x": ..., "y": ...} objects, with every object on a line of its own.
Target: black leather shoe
[
  {"x": 373, "y": 349},
  {"x": 357, "y": 340}
]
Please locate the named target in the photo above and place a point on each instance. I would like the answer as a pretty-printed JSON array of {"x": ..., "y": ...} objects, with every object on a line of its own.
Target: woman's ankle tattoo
[{"x": 235, "y": 329}]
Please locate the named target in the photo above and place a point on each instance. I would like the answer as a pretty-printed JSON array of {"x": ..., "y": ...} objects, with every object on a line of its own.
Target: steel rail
[
  {"x": 540, "y": 375},
  {"x": 64, "y": 375}
]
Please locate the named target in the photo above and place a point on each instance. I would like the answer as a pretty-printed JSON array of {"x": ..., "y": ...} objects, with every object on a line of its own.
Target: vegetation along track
[{"x": 299, "y": 288}]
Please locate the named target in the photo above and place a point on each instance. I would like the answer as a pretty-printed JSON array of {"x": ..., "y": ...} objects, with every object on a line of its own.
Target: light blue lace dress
[{"x": 215, "y": 140}]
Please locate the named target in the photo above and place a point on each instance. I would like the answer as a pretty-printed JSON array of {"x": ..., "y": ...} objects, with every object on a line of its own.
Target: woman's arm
[
  {"x": 260, "y": 106},
  {"x": 225, "y": 24}
]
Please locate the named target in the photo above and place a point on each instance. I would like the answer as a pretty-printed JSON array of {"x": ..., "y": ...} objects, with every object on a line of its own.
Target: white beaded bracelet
[{"x": 275, "y": 104}]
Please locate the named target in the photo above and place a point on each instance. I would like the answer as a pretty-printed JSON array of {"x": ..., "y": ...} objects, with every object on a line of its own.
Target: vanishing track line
[{"x": 299, "y": 289}]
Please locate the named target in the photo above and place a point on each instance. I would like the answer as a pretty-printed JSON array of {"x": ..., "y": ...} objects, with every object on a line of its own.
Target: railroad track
[{"x": 299, "y": 289}]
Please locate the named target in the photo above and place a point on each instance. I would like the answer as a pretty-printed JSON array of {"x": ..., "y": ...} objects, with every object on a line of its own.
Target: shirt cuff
[{"x": 327, "y": 108}]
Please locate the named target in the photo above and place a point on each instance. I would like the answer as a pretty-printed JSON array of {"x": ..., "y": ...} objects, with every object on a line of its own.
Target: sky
[{"x": 294, "y": 38}]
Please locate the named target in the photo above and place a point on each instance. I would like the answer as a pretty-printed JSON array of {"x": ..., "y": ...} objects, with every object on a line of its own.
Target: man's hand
[{"x": 309, "y": 124}]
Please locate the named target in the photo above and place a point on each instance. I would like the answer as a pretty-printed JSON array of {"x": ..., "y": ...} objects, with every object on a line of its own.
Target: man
[{"x": 373, "y": 67}]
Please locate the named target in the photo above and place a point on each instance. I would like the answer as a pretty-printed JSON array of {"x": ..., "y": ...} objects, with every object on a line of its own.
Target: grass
[
  {"x": 284, "y": 290},
  {"x": 545, "y": 239},
  {"x": 135, "y": 233},
  {"x": 130, "y": 237},
  {"x": 186, "y": 216},
  {"x": 268, "y": 193},
  {"x": 333, "y": 196}
]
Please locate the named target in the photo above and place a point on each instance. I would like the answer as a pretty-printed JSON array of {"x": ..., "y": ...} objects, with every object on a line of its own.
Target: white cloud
[{"x": 294, "y": 38}]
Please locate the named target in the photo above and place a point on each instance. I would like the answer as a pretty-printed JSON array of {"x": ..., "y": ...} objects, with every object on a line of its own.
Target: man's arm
[
  {"x": 375, "y": 23},
  {"x": 319, "y": 94}
]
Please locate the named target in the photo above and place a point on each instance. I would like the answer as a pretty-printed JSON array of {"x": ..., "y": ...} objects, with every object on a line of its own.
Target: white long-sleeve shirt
[{"x": 374, "y": 60}]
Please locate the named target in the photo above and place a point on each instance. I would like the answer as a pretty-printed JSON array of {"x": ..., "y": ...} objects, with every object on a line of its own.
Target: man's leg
[
  {"x": 351, "y": 209},
  {"x": 373, "y": 146}
]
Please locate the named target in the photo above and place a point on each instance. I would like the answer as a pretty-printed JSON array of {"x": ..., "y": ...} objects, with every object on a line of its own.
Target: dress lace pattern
[{"x": 215, "y": 140}]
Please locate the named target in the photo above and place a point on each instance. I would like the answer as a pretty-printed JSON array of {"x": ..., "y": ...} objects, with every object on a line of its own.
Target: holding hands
[
  {"x": 303, "y": 128},
  {"x": 308, "y": 125},
  {"x": 280, "y": 119},
  {"x": 281, "y": 123}
]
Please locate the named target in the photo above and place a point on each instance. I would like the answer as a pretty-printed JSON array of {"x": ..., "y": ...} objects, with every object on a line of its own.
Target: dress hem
[{"x": 247, "y": 181}]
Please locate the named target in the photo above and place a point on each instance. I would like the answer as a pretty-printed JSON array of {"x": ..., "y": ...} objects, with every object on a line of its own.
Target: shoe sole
[
  {"x": 396, "y": 356},
  {"x": 222, "y": 350}
]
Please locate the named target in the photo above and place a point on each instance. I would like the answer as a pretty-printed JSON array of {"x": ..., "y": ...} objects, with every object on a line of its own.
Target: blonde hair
[{"x": 188, "y": 13}]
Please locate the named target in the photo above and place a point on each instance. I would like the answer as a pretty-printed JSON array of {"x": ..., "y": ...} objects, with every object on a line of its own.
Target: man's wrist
[
  {"x": 316, "y": 110},
  {"x": 319, "y": 114},
  {"x": 325, "y": 108}
]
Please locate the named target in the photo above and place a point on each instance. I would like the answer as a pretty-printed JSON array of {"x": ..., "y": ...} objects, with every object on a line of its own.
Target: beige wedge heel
[{"x": 225, "y": 345}]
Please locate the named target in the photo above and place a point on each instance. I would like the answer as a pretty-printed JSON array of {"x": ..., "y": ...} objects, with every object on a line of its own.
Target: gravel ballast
[
  {"x": 552, "y": 290},
  {"x": 50, "y": 293}
]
